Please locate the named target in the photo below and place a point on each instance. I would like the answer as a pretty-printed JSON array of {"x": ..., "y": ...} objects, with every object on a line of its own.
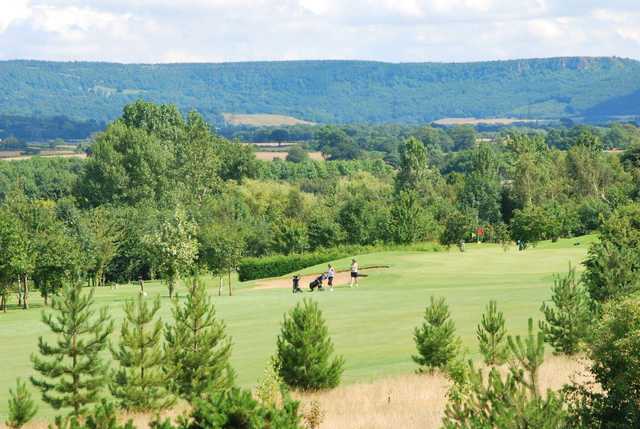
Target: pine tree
[
  {"x": 139, "y": 383},
  {"x": 304, "y": 350},
  {"x": 21, "y": 406},
  {"x": 435, "y": 340},
  {"x": 568, "y": 319},
  {"x": 197, "y": 349},
  {"x": 528, "y": 357},
  {"x": 72, "y": 370},
  {"x": 492, "y": 336}
]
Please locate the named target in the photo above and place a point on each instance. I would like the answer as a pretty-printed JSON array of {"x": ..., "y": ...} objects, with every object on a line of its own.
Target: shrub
[
  {"x": 304, "y": 350},
  {"x": 236, "y": 409},
  {"x": 278, "y": 265},
  {"x": 435, "y": 340}
]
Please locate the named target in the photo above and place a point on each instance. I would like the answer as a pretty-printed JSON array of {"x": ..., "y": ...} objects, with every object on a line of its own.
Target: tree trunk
[
  {"x": 25, "y": 299},
  {"x": 220, "y": 285},
  {"x": 230, "y": 283},
  {"x": 3, "y": 302},
  {"x": 170, "y": 283}
]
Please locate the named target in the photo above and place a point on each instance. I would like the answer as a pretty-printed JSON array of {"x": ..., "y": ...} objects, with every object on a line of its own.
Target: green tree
[
  {"x": 221, "y": 249},
  {"x": 613, "y": 263},
  {"x": 436, "y": 341},
  {"x": 22, "y": 408},
  {"x": 464, "y": 137},
  {"x": 613, "y": 401},
  {"x": 567, "y": 321},
  {"x": 72, "y": 372},
  {"x": 457, "y": 228},
  {"x": 492, "y": 336},
  {"x": 529, "y": 224},
  {"x": 528, "y": 356},
  {"x": 197, "y": 349},
  {"x": 174, "y": 246},
  {"x": 410, "y": 221},
  {"x": 139, "y": 382},
  {"x": 304, "y": 350},
  {"x": 413, "y": 166},
  {"x": 102, "y": 236},
  {"x": 297, "y": 154},
  {"x": 197, "y": 164}
]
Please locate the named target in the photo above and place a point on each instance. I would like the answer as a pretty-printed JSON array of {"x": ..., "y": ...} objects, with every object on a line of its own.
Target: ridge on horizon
[
  {"x": 331, "y": 91},
  {"x": 329, "y": 60}
]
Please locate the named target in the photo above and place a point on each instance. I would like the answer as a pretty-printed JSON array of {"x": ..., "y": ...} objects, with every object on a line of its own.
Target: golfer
[
  {"x": 354, "y": 273},
  {"x": 331, "y": 272}
]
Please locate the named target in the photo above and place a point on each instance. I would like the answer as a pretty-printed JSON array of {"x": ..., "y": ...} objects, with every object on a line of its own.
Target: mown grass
[{"x": 371, "y": 325}]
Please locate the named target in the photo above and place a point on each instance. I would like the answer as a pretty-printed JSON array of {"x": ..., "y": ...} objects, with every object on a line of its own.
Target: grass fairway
[{"x": 372, "y": 326}]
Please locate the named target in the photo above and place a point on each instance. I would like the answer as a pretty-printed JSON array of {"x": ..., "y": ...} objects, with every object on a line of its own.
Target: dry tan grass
[
  {"x": 260, "y": 119},
  {"x": 413, "y": 401}
]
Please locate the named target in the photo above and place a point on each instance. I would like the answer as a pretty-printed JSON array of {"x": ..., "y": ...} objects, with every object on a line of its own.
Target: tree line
[{"x": 161, "y": 196}]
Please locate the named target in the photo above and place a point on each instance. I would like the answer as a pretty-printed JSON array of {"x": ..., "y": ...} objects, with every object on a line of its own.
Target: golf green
[{"x": 371, "y": 325}]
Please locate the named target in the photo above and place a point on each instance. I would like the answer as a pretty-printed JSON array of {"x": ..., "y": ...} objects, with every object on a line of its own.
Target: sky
[{"x": 160, "y": 31}]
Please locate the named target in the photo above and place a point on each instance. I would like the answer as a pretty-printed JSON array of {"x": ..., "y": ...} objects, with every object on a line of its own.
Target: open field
[
  {"x": 271, "y": 155},
  {"x": 371, "y": 325},
  {"x": 478, "y": 121},
  {"x": 16, "y": 155},
  {"x": 262, "y": 119}
]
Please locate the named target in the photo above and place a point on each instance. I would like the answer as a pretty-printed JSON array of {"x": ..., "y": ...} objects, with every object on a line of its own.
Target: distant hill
[{"x": 329, "y": 91}]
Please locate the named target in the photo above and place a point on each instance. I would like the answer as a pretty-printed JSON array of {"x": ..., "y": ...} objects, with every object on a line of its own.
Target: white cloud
[
  {"x": 12, "y": 11},
  {"x": 387, "y": 30}
]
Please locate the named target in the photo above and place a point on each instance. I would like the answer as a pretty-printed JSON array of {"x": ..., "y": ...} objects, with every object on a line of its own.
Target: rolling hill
[{"x": 329, "y": 91}]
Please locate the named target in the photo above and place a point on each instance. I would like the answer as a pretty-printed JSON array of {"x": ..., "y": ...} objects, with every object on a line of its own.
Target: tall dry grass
[
  {"x": 413, "y": 401},
  {"x": 409, "y": 401}
]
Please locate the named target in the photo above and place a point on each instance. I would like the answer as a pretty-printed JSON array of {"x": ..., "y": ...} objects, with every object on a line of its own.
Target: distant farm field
[
  {"x": 371, "y": 325},
  {"x": 16, "y": 155},
  {"x": 478, "y": 121},
  {"x": 262, "y": 120},
  {"x": 271, "y": 155}
]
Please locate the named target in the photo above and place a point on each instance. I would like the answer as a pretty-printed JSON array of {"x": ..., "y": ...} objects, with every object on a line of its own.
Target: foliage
[
  {"x": 297, "y": 154},
  {"x": 197, "y": 349},
  {"x": 174, "y": 246},
  {"x": 514, "y": 402},
  {"x": 304, "y": 350},
  {"x": 22, "y": 408},
  {"x": 566, "y": 324},
  {"x": 139, "y": 382},
  {"x": 492, "y": 336},
  {"x": 435, "y": 340},
  {"x": 330, "y": 91},
  {"x": 271, "y": 389},
  {"x": 613, "y": 402},
  {"x": 236, "y": 408},
  {"x": 72, "y": 372},
  {"x": 613, "y": 263},
  {"x": 277, "y": 265}
]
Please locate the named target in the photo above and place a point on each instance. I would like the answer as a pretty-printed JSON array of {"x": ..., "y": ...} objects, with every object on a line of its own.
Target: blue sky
[{"x": 383, "y": 30}]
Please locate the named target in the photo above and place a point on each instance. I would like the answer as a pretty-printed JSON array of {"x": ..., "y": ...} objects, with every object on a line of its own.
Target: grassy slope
[{"x": 371, "y": 326}]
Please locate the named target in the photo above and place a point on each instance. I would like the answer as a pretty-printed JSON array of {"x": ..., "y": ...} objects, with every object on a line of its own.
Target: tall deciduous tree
[
  {"x": 221, "y": 248},
  {"x": 72, "y": 370},
  {"x": 102, "y": 237},
  {"x": 174, "y": 246},
  {"x": 197, "y": 348},
  {"x": 413, "y": 165},
  {"x": 139, "y": 384}
]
